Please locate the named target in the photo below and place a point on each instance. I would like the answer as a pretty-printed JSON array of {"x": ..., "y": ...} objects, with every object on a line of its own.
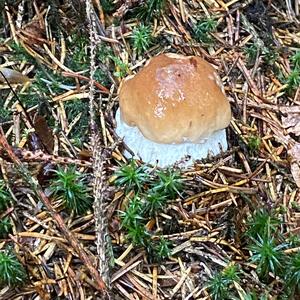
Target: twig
[
  {"x": 41, "y": 156},
  {"x": 57, "y": 217}
]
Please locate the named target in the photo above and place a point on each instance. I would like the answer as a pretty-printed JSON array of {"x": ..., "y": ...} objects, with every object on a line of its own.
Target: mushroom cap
[{"x": 175, "y": 99}]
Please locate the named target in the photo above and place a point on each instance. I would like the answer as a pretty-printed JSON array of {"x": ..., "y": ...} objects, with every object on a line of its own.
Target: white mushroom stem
[{"x": 165, "y": 155}]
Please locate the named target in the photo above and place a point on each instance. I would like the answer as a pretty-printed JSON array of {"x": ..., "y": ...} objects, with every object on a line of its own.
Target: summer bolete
[{"x": 173, "y": 107}]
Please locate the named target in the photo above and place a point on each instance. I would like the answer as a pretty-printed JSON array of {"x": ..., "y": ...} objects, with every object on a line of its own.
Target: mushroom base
[{"x": 164, "y": 155}]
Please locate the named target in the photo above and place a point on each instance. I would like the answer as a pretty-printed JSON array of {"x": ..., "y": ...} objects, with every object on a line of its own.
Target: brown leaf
[
  {"x": 45, "y": 172},
  {"x": 35, "y": 29},
  {"x": 12, "y": 76},
  {"x": 295, "y": 170},
  {"x": 44, "y": 132},
  {"x": 291, "y": 121},
  {"x": 294, "y": 153},
  {"x": 85, "y": 155},
  {"x": 34, "y": 33}
]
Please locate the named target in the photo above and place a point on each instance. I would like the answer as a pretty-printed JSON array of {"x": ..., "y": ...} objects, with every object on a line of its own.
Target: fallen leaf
[
  {"x": 291, "y": 120},
  {"x": 12, "y": 76},
  {"x": 295, "y": 170},
  {"x": 44, "y": 133},
  {"x": 294, "y": 153}
]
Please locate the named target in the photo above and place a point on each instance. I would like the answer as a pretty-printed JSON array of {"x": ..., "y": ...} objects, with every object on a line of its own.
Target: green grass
[
  {"x": 142, "y": 39},
  {"x": 70, "y": 186},
  {"x": 12, "y": 272}
]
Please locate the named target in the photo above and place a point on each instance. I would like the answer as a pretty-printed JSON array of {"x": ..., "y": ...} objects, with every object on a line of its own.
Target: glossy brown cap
[{"x": 175, "y": 99}]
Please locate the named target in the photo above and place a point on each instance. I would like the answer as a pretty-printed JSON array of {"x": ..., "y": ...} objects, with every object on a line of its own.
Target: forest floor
[{"x": 80, "y": 221}]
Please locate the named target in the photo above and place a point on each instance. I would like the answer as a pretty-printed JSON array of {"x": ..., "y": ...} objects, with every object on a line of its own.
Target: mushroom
[{"x": 174, "y": 107}]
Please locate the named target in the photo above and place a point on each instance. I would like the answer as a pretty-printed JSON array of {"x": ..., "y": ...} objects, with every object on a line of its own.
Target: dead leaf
[
  {"x": 34, "y": 33},
  {"x": 12, "y": 76},
  {"x": 294, "y": 153},
  {"x": 291, "y": 122},
  {"x": 295, "y": 170},
  {"x": 44, "y": 133}
]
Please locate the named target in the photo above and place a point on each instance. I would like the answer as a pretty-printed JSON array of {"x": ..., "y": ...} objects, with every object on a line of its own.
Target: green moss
[
  {"x": 151, "y": 9},
  {"x": 108, "y": 6},
  {"x": 73, "y": 108},
  {"x": 131, "y": 176},
  {"x": 142, "y": 38},
  {"x": 12, "y": 272},
  {"x": 293, "y": 80},
  {"x": 71, "y": 186},
  {"x": 159, "y": 250},
  {"x": 220, "y": 285},
  {"x": 5, "y": 199},
  {"x": 203, "y": 29},
  {"x": 5, "y": 115},
  {"x": 5, "y": 227},
  {"x": 254, "y": 143},
  {"x": 296, "y": 60}
]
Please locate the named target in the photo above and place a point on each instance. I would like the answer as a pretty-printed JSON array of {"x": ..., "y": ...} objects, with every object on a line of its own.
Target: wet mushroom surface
[{"x": 173, "y": 107}]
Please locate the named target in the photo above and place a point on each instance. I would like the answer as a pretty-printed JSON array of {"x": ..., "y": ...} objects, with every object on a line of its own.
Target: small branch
[
  {"x": 57, "y": 217},
  {"x": 43, "y": 157}
]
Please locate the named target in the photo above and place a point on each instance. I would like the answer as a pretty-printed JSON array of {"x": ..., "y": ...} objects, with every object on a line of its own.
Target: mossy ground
[{"x": 225, "y": 228}]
